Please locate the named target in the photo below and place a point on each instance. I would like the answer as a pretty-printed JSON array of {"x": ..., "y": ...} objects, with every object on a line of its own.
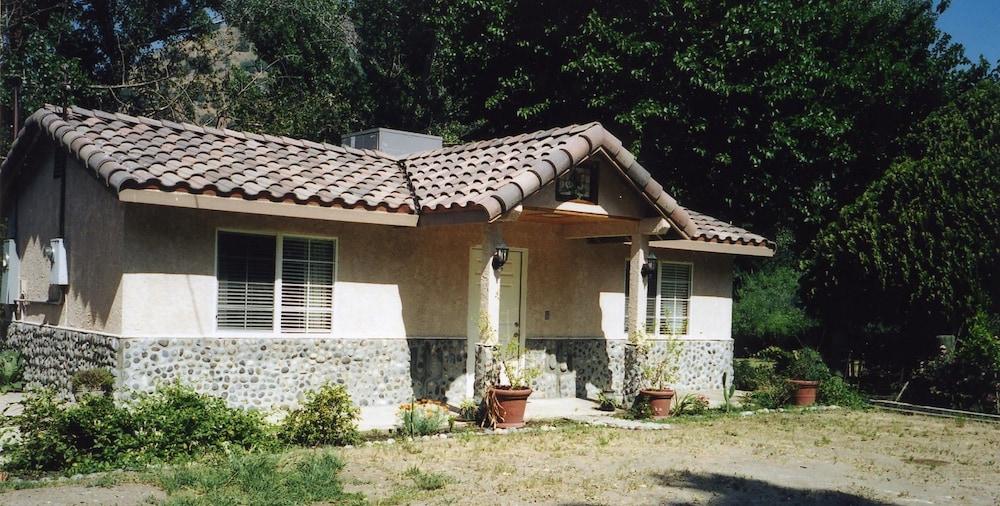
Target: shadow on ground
[{"x": 726, "y": 490}]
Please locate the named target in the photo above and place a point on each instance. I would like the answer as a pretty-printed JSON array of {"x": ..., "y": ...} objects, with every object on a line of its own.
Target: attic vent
[{"x": 394, "y": 142}]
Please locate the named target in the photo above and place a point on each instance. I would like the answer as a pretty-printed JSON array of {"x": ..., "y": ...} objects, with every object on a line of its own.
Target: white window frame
[
  {"x": 278, "y": 260},
  {"x": 658, "y": 306}
]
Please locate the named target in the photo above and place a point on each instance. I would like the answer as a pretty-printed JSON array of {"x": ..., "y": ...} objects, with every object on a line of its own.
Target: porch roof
[{"x": 484, "y": 179}]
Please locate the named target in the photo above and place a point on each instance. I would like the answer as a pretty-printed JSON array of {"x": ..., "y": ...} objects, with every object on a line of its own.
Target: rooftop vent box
[{"x": 394, "y": 142}]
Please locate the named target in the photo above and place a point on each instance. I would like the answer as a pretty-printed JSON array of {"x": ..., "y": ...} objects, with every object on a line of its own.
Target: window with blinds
[
  {"x": 258, "y": 273},
  {"x": 245, "y": 274},
  {"x": 307, "y": 272},
  {"x": 668, "y": 299},
  {"x": 674, "y": 298}
]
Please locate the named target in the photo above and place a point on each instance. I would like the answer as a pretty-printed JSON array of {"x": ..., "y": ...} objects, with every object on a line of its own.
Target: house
[{"x": 256, "y": 267}]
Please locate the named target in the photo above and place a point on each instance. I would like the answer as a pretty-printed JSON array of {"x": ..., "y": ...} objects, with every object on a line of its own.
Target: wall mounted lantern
[
  {"x": 649, "y": 267},
  {"x": 500, "y": 255}
]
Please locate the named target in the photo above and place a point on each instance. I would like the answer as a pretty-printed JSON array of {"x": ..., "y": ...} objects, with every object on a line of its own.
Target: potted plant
[
  {"x": 508, "y": 398},
  {"x": 659, "y": 375},
  {"x": 806, "y": 370}
]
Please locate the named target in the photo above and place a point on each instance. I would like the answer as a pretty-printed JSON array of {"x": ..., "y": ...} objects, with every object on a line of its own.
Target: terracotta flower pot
[
  {"x": 512, "y": 403},
  {"x": 659, "y": 401},
  {"x": 805, "y": 392}
]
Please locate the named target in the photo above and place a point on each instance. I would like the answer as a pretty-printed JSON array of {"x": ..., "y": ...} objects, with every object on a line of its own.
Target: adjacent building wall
[{"x": 93, "y": 241}]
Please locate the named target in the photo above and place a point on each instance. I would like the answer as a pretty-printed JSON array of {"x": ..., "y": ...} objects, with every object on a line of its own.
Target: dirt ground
[{"x": 831, "y": 457}]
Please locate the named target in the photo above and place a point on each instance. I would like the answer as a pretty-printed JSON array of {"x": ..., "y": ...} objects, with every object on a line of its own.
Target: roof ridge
[{"x": 537, "y": 133}]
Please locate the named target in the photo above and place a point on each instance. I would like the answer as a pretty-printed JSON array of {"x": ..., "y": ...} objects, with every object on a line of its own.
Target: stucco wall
[
  {"x": 615, "y": 196},
  {"x": 93, "y": 241},
  {"x": 395, "y": 282}
]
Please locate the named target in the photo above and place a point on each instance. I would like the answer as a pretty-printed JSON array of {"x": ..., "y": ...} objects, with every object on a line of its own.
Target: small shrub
[
  {"x": 691, "y": 404},
  {"x": 968, "y": 378},
  {"x": 327, "y": 417},
  {"x": 95, "y": 380},
  {"x": 752, "y": 373},
  {"x": 174, "y": 423},
  {"x": 837, "y": 392},
  {"x": 607, "y": 401},
  {"x": 806, "y": 364},
  {"x": 423, "y": 417},
  {"x": 468, "y": 410},
  {"x": 772, "y": 395},
  {"x": 426, "y": 481},
  {"x": 640, "y": 409},
  {"x": 11, "y": 371}
]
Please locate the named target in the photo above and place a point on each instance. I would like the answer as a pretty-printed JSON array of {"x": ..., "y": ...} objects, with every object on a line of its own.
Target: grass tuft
[{"x": 427, "y": 481}]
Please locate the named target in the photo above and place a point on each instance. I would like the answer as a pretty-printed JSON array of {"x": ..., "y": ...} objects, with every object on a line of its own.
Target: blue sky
[{"x": 976, "y": 25}]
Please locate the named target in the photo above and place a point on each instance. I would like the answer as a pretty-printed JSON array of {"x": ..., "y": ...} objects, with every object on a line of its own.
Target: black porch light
[
  {"x": 650, "y": 266},
  {"x": 500, "y": 255}
]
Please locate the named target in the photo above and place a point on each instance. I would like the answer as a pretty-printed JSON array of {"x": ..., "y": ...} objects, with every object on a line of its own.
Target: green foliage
[
  {"x": 423, "y": 417},
  {"x": 767, "y": 308},
  {"x": 774, "y": 394},
  {"x": 172, "y": 424},
  {"x": 468, "y": 409},
  {"x": 923, "y": 239},
  {"x": 640, "y": 409},
  {"x": 751, "y": 373},
  {"x": 606, "y": 401},
  {"x": 834, "y": 391},
  {"x": 257, "y": 480},
  {"x": 661, "y": 373},
  {"x": 690, "y": 404},
  {"x": 99, "y": 380},
  {"x": 426, "y": 480},
  {"x": 519, "y": 375},
  {"x": 805, "y": 364},
  {"x": 327, "y": 417},
  {"x": 969, "y": 378},
  {"x": 11, "y": 371}
]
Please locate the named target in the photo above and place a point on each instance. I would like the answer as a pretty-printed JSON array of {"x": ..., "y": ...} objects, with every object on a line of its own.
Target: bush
[
  {"x": 969, "y": 378},
  {"x": 423, "y": 417},
  {"x": 835, "y": 391},
  {"x": 752, "y": 373},
  {"x": 99, "y": 380},
  {"x": 805, "y": 364},
  {"x": 468, "y": 410},
  {"x": 691, "y": 404},
  {"x": 773, "y": 395},
  {"x": 327, "y": 417},
  {"x": 174, "y": 423},
  {"x": 11, "y": 371}
]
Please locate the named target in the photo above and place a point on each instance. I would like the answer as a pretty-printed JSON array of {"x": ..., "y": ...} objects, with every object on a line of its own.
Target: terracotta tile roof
[
  {"x": 137, "y": 153},
  {"x": 714, "y": 230},
  {"x": 488, "y": 177},
  {"x": 497, "y": 174}
]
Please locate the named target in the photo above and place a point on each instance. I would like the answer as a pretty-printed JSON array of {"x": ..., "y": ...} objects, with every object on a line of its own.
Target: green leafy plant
[
  {"x": 423, "y": 417},
  {"x": 969, "y": 378},
  {"x": 468, "y": 410},
  {"x": 773, "y": 395},
  {"x": 691, "y": 404},
  {"x": 661, "y": 373},
  {"x": 172, "y": 424},
  {"x": 93, "y": 380},
  {"x": 806, "y": 364},
  {"x": 519, "y": 375},
  {"x": 11, "y": 371},
  {"x": 607, "y": 401},
  {"x": 727, "y": 392},
  {"x": 837, "y": 392},
  {"x": 327, "y": 417},
  {"x": 752, "y": 373}
]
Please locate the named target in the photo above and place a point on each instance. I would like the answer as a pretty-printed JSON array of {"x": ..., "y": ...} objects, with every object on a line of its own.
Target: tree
[
  {"x": 771, "y": 113},
  {"x": 136, "y": 57},
  {"x": 918, "y": 249}
]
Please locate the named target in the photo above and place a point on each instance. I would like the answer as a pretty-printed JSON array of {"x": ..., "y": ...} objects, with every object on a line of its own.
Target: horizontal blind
[
  {"x": 675, "y": 298},
  {"x": 246, "y": 281},
  {"x": 307, "y": 277}
]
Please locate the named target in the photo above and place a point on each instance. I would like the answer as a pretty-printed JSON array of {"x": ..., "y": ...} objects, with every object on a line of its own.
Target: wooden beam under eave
[
  {"x": 714, "y": 247},
  {"x": 595, "y": 229}
]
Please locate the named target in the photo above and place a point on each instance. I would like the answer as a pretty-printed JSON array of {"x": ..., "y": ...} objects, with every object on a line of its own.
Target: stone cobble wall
[
  {"x": 276, "y": 372},
  {"x": 702, "y": 362},
  {"x": 576, "y": 367},
  {"x": 52, "y": 355}
]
